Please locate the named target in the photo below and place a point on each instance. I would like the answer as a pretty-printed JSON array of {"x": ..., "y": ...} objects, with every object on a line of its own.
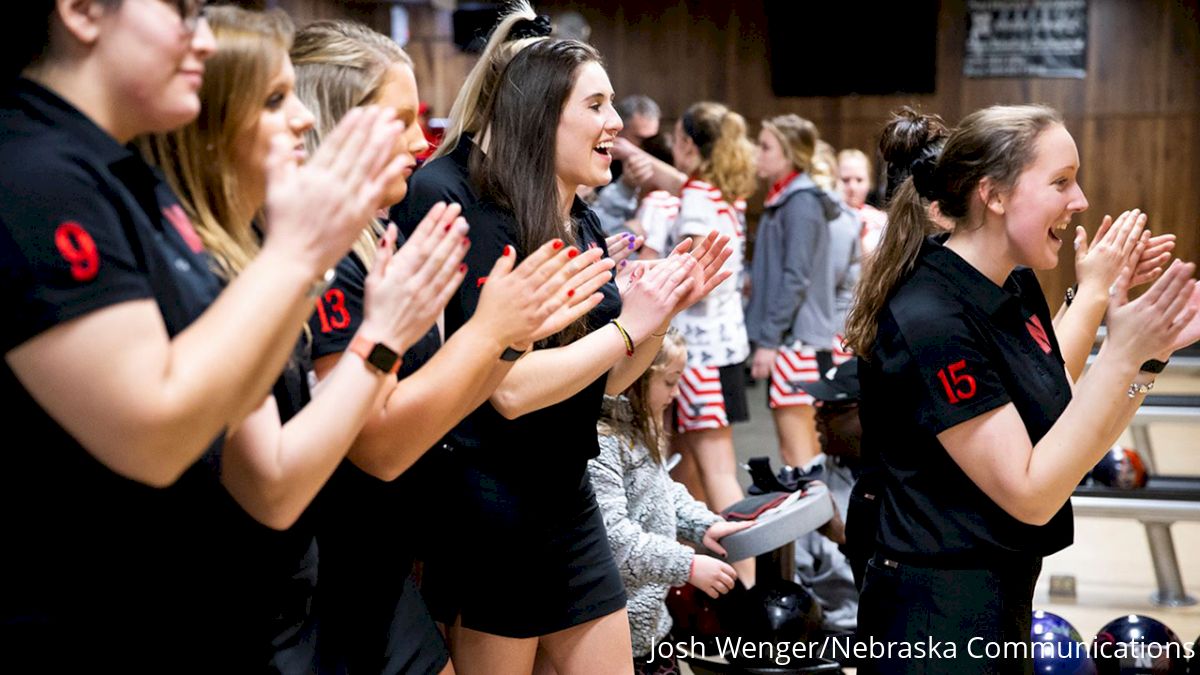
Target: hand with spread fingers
[
  {"x": 407, "y": 289},
  {"x": 1159, "y": 321},
  {"x": 314, "y": 211},
  {"x": 710, "y": 256},
  {"x": 655, "y": 293},
  {"x": 549, "y": 290},
  {"x": 1098, "y": 263},
  {"x": 621, "y": 246}
]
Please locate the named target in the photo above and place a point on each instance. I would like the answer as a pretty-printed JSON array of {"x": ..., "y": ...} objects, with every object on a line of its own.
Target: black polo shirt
[
  {"x": 952, "y": 345},
  {"x": 95, "y": 566},
  {"x": 559, "y": 437},
  {"x": 445, "y": 179},
  {"x": 367, "y": 606}
]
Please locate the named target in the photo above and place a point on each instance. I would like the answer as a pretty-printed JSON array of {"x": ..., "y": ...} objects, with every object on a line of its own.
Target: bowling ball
[
  {"x": 1058, "y": 648},
  {"x": 1194, "y": 663},
  {"x": 1122, "y": 468},
  {"x": 693, "y": 614},
  {"x": 777, "y": 611},
  {"x": 1138, "y": 644}
]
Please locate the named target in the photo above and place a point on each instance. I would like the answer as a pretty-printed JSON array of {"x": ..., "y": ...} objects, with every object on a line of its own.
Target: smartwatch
[
  {"x": 376, "y": 354},
  {"x": 1153, "y": 366},
  {"x": 511, "y": 354}
]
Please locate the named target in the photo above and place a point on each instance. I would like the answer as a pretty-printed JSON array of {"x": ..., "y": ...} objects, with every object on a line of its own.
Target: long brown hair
[
  {"x": 517, "y": 172},
  {"x": 726, "y": 154},
  {"x": 645, "y": 425},
  {"x": 997, "y": 143},
  {"x": 197, "y": 160},
  {"x": 341, "y": 65}
]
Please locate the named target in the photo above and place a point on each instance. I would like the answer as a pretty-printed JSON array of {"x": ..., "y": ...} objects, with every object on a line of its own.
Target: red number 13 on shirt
[
  {"x": 958, "y": 386},
  {"x": 336, "y": 316}
]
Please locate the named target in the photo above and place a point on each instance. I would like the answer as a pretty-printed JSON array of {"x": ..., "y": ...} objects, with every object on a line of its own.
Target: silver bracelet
[{"x": 1135, "y": 388}]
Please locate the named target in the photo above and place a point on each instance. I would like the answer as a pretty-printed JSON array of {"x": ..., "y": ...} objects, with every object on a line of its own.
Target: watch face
[{"x": 382, "y": 358}]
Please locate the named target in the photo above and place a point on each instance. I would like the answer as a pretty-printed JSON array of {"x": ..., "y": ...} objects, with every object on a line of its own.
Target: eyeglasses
[{"x": 190, "y": 12}]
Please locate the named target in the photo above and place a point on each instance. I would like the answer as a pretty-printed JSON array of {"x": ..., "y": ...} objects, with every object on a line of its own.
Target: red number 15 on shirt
[{"x": 959, "y": 386}]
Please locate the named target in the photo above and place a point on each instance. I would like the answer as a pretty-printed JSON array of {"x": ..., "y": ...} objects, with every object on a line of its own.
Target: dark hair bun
[{"x": 910, "y": 144}]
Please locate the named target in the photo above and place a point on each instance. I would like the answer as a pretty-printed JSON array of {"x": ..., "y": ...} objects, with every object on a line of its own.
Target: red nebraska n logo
[
  {"x": 183, "y": 225},
  {"x": 1039, "y": 334}
]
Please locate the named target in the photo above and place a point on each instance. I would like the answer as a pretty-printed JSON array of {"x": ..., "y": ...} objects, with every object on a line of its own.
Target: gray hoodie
[{"x": 792, "y": 281}]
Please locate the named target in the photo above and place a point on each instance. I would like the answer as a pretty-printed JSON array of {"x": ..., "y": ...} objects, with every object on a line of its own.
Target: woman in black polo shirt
[
  {"x": 115, "y": 361},
  {"x": 372, "y": 619},
  {"x": 965, "y": 400},
  {"x": 548, "y": 577}
]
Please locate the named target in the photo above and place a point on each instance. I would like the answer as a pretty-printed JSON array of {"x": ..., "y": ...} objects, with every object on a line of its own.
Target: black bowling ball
[
  {"x": 1121, "y": 468},
  {"x": 776, "y": 611},
  {"x": 1138, "y": 644},
  {"x": 1194, "y": 663}
]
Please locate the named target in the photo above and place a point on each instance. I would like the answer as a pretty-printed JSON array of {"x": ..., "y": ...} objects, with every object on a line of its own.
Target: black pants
[{"x": 952, "y": 621}]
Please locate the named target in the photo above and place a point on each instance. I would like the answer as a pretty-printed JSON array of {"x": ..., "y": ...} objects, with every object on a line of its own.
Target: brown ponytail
[{"x": 726, "y": 154}]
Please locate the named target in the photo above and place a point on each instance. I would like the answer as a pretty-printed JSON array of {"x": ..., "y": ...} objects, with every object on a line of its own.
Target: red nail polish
[
  {"x": 462, "y": 269},
  {"x": 572, "y": 253},
  {"x": 448, "y": 226},
  {"x": 557, "y": 244},
  {"x": 571, "y": 293},
  {"x": 507, "y": 250},
  {"x": 478, "y": 282},
  {"x": 466, "y": 241}
]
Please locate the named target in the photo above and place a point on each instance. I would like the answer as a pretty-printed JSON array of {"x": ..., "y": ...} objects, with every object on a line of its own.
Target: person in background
[
  {"x": 646, "y": 513},
  {"x": 854, "y": 172},
  {"x": 790, "y": 316},
  {"x": 821, "y": 565}
]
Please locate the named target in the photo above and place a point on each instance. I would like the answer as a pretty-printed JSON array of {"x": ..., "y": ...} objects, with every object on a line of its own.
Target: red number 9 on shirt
[
  {"x": 958, "y": 386},
  {"x": 77, "y": 247}
]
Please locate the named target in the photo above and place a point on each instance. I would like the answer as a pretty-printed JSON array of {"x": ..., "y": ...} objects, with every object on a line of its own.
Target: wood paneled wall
[{"x": 1135, "y": 117}]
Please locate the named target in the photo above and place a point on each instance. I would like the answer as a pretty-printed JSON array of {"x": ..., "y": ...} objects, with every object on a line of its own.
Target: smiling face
[
  {"x": 281, "y": 113},
  {"x": 399, "y": 91},
  {"x": 152, "y": 64},
  {"x": 587, "y": 126},
  {"x": 1039, "y": 207}
]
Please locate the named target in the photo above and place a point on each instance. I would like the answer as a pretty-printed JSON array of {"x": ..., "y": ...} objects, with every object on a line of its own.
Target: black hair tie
[
  {"x": 530, "y": 28},
  {"x": 923, "y": 170}
]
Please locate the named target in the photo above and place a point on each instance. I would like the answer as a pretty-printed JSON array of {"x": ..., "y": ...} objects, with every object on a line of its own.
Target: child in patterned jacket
[{"x": 646, "y": 513}]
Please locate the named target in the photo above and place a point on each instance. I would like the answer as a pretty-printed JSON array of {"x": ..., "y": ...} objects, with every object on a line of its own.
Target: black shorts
[{"x": 539, "y": 556}]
